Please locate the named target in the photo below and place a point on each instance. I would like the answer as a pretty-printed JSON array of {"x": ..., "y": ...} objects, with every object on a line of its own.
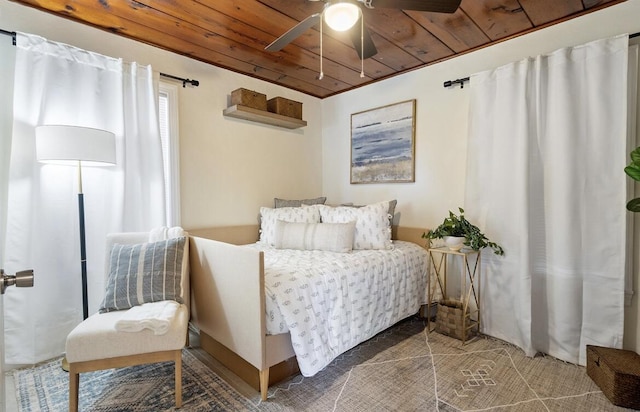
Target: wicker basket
[
  {"x": 449, "y": 320},
  {"x": 285, "y": 107},
  {"x": 249, "y": 98},
  {"x": 617, "y": 373}
]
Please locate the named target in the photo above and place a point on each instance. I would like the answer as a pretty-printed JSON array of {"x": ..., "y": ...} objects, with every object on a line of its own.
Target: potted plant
[
  {"x": 633, "y": 171},
  {"x": 459, "y": 226}
]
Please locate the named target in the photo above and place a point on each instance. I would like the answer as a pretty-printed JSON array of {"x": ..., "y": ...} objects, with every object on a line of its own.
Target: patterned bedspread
[{"x": 331, "y": 302}]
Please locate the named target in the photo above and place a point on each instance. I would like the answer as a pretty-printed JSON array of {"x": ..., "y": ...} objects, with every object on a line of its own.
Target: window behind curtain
[{"x": 168, "y": 118}]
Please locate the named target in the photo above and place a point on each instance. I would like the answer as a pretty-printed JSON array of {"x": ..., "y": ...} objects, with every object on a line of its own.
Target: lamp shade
[
  {"x": 341, "y": 16},
  {"x": 70, "y": 144}
]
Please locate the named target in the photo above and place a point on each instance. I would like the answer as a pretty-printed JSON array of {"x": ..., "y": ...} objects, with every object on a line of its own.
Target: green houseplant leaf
[
  {"x": 458, "y": 225},
  {"x": 634, "y": 205},
  {"x": 635, "y": 155},
  {"x": 633, "y": 171}
]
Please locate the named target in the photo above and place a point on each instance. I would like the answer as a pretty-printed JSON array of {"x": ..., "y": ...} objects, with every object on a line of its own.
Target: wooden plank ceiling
[{"x": 233, "y": 34}]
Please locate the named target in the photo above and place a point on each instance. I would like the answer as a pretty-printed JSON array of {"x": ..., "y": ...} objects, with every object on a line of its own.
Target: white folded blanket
[
  {"x": 155, "y": 316},
  {"x": 164, "y": 233}
]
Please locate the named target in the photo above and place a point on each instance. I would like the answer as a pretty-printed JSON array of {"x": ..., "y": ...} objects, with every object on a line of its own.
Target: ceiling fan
[{"x": 342, "y": 15}]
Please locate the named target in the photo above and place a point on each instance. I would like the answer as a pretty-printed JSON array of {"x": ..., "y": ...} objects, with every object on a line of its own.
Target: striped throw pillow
[
  {"x": 332, "y": 237},
  {"x": 144, "y": 272}
]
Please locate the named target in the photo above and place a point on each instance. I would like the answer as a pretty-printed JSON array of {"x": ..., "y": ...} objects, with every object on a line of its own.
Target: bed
[{"x": 253, "y": 301}]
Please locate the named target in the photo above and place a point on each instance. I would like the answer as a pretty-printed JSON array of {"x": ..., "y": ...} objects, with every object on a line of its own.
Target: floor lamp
[{"x": 81, "y": 146}]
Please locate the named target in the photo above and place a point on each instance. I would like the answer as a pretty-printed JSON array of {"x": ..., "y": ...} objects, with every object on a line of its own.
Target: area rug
[
  {"x": 404, "y": 368},
  {"x": 138, "y": 388},
  {"x": 408, "y": 369}
]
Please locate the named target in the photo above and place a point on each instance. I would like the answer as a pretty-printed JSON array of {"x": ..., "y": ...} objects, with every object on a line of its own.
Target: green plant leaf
[
  {"x": 634, "y": 205},
  {"x": 635, "y": 155},
  {"x": 633, "y": 170},
  {"x": 458, "y": 225}
]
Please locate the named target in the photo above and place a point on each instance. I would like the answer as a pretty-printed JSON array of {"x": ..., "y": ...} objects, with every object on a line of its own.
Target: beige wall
[
  {"x": 229, "y": 167},
  {"x": 441, "y": 128}
]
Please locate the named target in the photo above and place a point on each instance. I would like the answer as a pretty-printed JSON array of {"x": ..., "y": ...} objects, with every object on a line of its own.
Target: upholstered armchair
[{"x": 145, "y": 313}]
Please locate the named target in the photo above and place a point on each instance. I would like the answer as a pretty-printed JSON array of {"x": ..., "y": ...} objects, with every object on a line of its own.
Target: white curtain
[
  {"x": 60, "y": 84},
  {"x": 547, "y": 149}
]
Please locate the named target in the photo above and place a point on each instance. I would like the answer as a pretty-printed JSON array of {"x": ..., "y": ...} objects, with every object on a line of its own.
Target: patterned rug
[
  {"x": 402, "y": 369},
  {"x": 138, "y": 388},
  {"x": 407, "y": 369}
]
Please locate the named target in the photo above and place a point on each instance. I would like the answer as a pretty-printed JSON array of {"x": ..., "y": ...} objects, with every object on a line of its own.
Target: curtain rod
[
  {"x": 9, "y": 33},
  {"x": 194, "y": 83},
  {"x": 450, "y": 83}
]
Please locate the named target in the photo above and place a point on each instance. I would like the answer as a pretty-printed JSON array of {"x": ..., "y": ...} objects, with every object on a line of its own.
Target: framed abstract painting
[{"x": 383, "y": 144}]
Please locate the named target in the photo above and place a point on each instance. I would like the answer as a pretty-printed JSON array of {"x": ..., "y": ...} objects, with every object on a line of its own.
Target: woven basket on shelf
[{"x": 449, "y": 320}]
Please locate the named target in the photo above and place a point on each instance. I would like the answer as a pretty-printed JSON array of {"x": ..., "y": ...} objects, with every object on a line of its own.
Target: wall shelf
[{"x": 261, "y": 116}]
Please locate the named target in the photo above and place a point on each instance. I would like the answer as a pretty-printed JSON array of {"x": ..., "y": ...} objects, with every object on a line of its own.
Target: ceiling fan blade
[
  {"x": 294, "y": 32},
  {"x": 369, "y": 48},
  {"x": 438, "y": 6}
]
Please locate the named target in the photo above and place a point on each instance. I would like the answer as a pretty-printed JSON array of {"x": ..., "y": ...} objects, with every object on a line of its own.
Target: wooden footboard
[
  {"x": 228, "y": 296},
  {"x": 227, "y": 284},
  {"x": 228, "y": 307}
]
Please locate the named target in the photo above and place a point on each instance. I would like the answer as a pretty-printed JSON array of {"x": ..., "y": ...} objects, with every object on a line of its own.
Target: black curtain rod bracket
[
  {"x": 9, "y": 33},
  {"x": 450, "y": 83},
  {"x": 194, "y": 83}
]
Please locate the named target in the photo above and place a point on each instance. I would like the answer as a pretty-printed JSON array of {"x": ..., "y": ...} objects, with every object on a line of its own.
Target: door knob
[{"x": 22, "y": 279}]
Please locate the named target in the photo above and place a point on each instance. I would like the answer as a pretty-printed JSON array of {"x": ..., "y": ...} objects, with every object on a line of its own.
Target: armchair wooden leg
[
  {"x": 74, "y": 382},
  {"x": 264, "y": 383},
  {"x": 178, "y": 372}
]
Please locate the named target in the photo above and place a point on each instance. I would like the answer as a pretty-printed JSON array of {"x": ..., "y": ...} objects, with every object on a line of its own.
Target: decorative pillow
[
  {"x": 392, "y": 208},
  {"x": 298, "y": 202},
  {"x": 143, "y": 273},
  {"x": 269, "y": 217},
  {"x": 373, "y": 229},
  {"x": 332, "y": 237}
]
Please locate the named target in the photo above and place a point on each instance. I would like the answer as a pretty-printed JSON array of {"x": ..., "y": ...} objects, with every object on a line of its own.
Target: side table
[{"x": 469, "y": 284}]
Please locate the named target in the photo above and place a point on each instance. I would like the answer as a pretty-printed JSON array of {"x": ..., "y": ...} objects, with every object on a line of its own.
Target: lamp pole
[{"x": 83, "y": 246}]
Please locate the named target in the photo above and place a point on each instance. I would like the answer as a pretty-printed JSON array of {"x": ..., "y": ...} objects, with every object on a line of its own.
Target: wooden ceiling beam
[
  {"x": 455, "y": 30},
  {"x": 404, "y": 32},
  {"x": 545, "y": 11},
  {"x": 498, "y": 19}
]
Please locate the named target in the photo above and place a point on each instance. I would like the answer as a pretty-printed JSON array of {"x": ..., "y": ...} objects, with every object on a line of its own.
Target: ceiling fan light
[{"x": 341, "y": 16}]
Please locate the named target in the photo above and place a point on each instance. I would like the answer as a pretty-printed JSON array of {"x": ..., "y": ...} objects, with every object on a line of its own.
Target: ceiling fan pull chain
[
  {"x": 321, "y": 75},
  {"x": 362, "y": 45}
]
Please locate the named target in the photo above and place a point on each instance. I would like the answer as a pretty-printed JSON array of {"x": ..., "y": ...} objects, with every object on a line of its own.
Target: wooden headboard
[{"x": 245, "y": 234}]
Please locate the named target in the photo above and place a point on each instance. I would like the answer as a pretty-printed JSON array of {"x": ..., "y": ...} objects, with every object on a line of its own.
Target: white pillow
[
  {"x": 269, "y": 217},
  {"x": 373, "y": 230},
  {"x": 332, "y": 237}
]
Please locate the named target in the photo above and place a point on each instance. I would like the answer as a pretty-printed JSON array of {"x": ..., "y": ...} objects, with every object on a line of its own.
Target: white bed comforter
[{"x": 331, "y": 302}]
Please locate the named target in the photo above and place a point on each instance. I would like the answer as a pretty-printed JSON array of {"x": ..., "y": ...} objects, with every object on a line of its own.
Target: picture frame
[{"x": 383, "y": 144}]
